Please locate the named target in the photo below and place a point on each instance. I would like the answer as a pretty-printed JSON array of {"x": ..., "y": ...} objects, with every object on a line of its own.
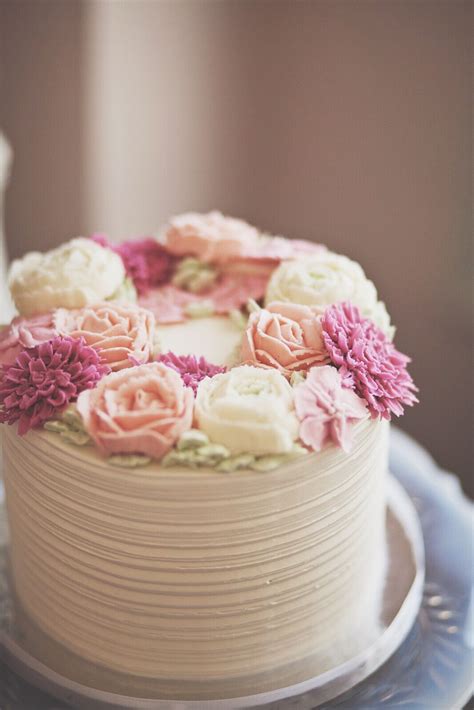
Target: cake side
[
  {"x": 194, "y": 575},
  {"x": 196, "y": 457}
]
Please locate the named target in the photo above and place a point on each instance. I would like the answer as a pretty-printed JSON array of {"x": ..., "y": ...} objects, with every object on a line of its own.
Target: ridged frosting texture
[{"x": 198, "y": 575}]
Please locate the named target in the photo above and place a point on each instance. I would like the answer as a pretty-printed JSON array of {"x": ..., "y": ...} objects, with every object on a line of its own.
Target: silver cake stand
[{"x": 423, "y": 659}]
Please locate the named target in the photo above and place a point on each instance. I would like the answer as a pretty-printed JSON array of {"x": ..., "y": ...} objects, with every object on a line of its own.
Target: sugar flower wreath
[{"x": 316, "y": 352}]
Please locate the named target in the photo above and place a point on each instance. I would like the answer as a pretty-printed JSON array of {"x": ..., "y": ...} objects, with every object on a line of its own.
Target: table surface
[{"x": 434, "y": 667}]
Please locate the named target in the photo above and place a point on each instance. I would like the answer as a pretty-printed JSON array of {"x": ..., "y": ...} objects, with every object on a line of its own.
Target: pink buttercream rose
[
  {"x": 143, "y": 410},
  {"x": 285, "y": 336},
  {"x": 123, "y": 333},
  {"x": 25, "y": 333},
  {"x": 326, "y": 409},
  {"x": 213, "y": 237},
  {"x": 209, "y": 237}
]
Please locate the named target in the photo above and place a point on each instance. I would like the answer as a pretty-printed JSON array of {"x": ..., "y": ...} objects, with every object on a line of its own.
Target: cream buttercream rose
[
  {"x": 76, "y": 274},
  {"x": 143, "y": 410},
  {"x": 248, "y": 409},
  {"x": 286, "y": 336},
  {"x": 124, "y": 334},
  {"x": 325, "y": 279}
]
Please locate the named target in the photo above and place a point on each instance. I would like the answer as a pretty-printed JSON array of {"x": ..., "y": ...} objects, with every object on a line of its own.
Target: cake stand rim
[{"x": 332, "y": 682}]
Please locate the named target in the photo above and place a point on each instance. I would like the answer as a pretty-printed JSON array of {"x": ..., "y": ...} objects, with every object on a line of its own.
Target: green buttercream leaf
[
  {"x": 126, "y": 292},
  {"x": 235, "y": 463},
  {"x": 235, "y": 357},
  {"x": 194, "y": 450},
  {"x": 213, "y": 452},
  {"x": 194, "y": 276},
  {"x": 188, "y": 458},
  {"x": 297, "y": 378},
  {"x": 252, "y": 306},
  {"x": 297, "y": 450},
  {"x": 156, "y": 347},
  {"x": 272, "y": 461},
  {"x": 55, "y": 426},
  {"x": 129, "y": 460},
  {"x": 192, "y": 439},
  {"x": 200, "y": 309},
  {"x": 78, "y": 438},
  {"x": 70, "y": 427},
  {"x": 72, "y": 418},
  {"x": 266, "y": 463},
  {"x": 238, "y": 318}
]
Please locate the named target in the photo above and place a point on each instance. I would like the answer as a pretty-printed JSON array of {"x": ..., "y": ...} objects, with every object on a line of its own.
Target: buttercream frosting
[
  {"x": 209, "y": 518},
  {"x": 198, "y": 576}
]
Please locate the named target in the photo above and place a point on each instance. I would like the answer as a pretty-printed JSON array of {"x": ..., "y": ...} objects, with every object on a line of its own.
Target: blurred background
[{"x": 338, "y": 121}]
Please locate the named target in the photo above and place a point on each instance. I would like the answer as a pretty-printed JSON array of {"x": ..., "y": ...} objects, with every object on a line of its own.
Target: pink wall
[{"x": 345, "y": 122}]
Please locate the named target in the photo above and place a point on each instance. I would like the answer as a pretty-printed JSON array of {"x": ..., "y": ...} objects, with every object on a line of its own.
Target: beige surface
[
  {"x": 217, "y": 338},
  {"x": 198, "y": 575}
]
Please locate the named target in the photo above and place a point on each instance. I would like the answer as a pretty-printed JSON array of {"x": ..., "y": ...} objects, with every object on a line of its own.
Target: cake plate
[{"x": 432, "y": 667}]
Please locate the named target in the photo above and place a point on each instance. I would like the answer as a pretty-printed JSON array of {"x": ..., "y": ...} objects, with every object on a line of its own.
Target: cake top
[{"x": 211, "y": 344}]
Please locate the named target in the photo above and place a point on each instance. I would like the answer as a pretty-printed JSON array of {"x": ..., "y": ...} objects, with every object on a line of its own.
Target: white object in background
[{"x": 6, "y": 305}]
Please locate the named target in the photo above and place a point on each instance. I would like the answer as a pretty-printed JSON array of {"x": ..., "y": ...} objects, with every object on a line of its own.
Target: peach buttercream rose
[
  {"x": 143, "y": 410},
  {"x": 209, "y": 237},
  {"x": 286, "y": 336},
  {"x": 123, "y": 333}
]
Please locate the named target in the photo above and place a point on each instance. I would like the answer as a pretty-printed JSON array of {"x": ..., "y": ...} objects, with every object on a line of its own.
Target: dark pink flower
[
  {"x": 45, "y": 378},
  {"x": 146, "y": 262},
  {"x": 368, "y": 361},
  {"x": 190, "y": 368}
]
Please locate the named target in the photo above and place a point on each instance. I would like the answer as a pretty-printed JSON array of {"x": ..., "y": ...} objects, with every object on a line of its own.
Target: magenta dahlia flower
[
  {"x": 368, "y": 361},
  {"x": 146, "y": 262},
  {"x": 191, "y": 369},
  {"x": 44, "y": 379}
]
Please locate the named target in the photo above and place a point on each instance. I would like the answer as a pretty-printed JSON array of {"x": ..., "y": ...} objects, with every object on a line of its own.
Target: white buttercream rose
[
  {"x": 324, "y": 279},
  {"x": 76, "y": 274},
  {"x": 248, "y": 409}
]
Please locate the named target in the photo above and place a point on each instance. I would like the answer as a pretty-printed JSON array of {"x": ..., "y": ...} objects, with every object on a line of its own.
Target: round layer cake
[
  {"x": 196, "y": 484},
  {"x": 240, "y": 580}
]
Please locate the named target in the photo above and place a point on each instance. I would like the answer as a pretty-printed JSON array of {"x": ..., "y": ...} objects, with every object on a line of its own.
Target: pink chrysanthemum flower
[
  {"x": 146, "y": 262},
  {"x": 44, "y": 379},
  {"x": 191, "y": 369},
  {"x": 368, "y": 361}
]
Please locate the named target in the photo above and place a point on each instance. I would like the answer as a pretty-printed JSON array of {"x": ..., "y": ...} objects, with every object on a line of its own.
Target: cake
[{"x": 196, "y": 460}]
